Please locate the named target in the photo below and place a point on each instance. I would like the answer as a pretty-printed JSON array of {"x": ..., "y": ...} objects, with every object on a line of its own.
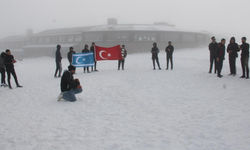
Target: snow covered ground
[{"x": 134, "y": 109}]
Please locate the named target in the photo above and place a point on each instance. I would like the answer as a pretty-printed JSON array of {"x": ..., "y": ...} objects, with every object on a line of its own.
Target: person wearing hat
[
  {"x": 70, "y": 53},
  {"x": 155, "y": 52},
  {"x": 244, "y": 58},
  {"x": 233, "y": 49},
  {"x": 212, "y": 48},
  {"x": 92, "y": 49},
  {"x": 69, "y": 86},
  {"x": 58, "y": 61},
  {"x": 169, "y": 50}
]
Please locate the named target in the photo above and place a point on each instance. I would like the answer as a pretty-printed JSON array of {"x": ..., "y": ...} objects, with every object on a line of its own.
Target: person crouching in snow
[{"x": 69, "y": 85}]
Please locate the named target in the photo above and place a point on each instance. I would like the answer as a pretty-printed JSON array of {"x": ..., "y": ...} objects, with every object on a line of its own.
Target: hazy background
[{"x": 221, "y": 17}]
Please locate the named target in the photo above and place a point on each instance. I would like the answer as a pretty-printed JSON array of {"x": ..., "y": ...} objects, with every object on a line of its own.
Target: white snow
[{"x": 134, "y": 109}]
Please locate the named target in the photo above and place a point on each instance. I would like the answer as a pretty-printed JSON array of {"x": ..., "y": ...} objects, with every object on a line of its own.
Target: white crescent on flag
[{"x": 100, "y": 54}]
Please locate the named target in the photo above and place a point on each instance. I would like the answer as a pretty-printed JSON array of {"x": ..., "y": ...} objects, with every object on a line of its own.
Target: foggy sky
[{"x": 221, "y": 17}]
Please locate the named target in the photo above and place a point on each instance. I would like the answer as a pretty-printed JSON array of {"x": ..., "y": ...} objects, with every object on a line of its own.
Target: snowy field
[{"x": 134, "y": 109}]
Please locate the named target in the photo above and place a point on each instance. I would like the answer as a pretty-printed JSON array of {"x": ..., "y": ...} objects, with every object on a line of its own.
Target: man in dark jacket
[
  {"x": 220, "y": 56},
  {"x": 86, "y": 50},
  {"x": 244, "y": 58},
  {"x": 58, "y": 61},
  {"x": 124, "y": 55},
  {"x": 92, "y": 49},
  {"x": 233, "y": 50},
  {"x": 2, "y": 70},
  {"x": 69, "y": 85},
  {"x": 70, "y": 53},
  {"x": 9, "y": 63},
  {"x": 212, "y": 48},
  {"x": 155, "y": 52},
  {"x": 169, "y": 50}
]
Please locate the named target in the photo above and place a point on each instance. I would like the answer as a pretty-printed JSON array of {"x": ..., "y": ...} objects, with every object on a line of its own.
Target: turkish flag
[{"x": 108, "y": 53}]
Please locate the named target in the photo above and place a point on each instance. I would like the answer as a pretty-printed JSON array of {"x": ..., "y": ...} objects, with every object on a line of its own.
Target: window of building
[
  {"x": 119, "y": 36},
  {"x": 144, "y": 37},
  {"x": 78, "y": 38},
  {"x": 54, "y": 39},
  {"x": 34, "y": 40},
  {"x": 70, "y": 39},
  {"x": 174, "y": 37},
  {"x": 62, "y": 39},
  {"x": 40, "y": 40},
  {"x": 47, "y": 40},
  {"x": 93, "y": 37},
  {"x": 188, "y": 38}
]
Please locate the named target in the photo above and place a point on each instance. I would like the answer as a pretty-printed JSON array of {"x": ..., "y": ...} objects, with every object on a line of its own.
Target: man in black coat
[
  {"x": 86, "y": 50},
  {"x": 233, "y": 50},
  {"x": 169, "y": 50},
  {"x": 92, "y": 49},
  {"x": 155, "y": 52},
  {"x": 70, "y": 53},
  {"x": 69, "y": 85},
  {"x": 212, "y": 48},
  {"x": 58, "y": 61},
  {"x": 220, "y": 56},
  {"x": 244, "y": 58},
  {"x": 9, "y": 64}
]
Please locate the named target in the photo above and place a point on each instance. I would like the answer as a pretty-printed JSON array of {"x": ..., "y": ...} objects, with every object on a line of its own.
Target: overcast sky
[{"x": 221, "y": 17}]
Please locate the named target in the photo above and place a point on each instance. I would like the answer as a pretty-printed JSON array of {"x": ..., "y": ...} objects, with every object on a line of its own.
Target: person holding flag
[
  {"x": 124, "y": 55},
  {"x": 70, "y": 53},
  {"x": 86, "y": 50},
  {"x": 92, "y": 49}
]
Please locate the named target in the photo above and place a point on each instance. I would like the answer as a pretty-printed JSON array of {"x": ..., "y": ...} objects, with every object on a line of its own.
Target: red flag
[{"x": 105, "y": 53}]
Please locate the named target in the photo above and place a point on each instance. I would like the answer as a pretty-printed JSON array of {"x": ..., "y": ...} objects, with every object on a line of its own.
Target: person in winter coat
[
  {"x": 124, "y": 55},
  {"x": 70, "y": 53},
  {"x": 2, "y": 70},
  {"x": 212, "y": 48},
  {"x": 86, "y": 50},
  {"x": 233, "y": 50},
  {"x": 169, "y": 51},
  {"x": 9, "y": 63},
  {"x": 58, "y": 61},
  {"x": 155, "y": 52},
  {"x": 244, "y": 58},
  {"x": 92, "y": 49},
  {"x": 69, "y": 85},
  {"x": 220, "y": 56}
]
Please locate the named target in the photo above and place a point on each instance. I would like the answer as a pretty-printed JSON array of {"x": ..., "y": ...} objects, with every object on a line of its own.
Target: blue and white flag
[{"x": 83, "y": 59}]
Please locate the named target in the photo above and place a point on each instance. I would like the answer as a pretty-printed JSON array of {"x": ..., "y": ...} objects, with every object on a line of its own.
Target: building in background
[{"x": 136, "y": 37}]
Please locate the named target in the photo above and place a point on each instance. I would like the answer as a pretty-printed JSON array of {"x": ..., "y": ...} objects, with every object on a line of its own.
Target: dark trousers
[
  {"x": 219, "y": 65},
  {"x": 58, "y": 68},
  {"x": 212, "y": 61},
  {"x": 157, "y": 61},
  {"x": 170, "y": 58},
  {"x": 232, "y": 60},
  {"x": 84, "y": 69},
  {"x": 244, "y": 65},
  {"x": 119, "y": 64},
  {"x": 12, "y": 71},
  {"x": 3, "y": 75},
  {"x": 94, "y": 67}
]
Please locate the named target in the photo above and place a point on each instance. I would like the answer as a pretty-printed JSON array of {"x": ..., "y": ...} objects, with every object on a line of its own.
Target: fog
[{"x": 222, "y": 18}]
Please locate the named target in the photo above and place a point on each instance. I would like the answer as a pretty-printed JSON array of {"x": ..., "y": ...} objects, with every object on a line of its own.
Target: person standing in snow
[
  {"x": 9, "y": 63},
  {"x": 244, "y": 58},
  {"x": 169, "y": 51},
  {"x": 69, "y": 85},
  {"x": 92, "y": 49},
  {"x": 70, "y": 53},
  {"x": 155, "y": 52},
  {"x": 124, "y": 55},
  {"x": 233, "y": 50},
  {"x": 58, "y": 61},
  {"x": 2, "y": 70},
  {"x": 212, "y": 48},
  {"x": 220, "y": 56},
  {"x": 86, "y": 50}
]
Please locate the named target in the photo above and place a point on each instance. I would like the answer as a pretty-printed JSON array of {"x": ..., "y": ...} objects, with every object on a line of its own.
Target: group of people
[
  {"x": 217, "y": 56},
  {"x": 7, "y": 62},
  {"x": 169, "y": 52}
]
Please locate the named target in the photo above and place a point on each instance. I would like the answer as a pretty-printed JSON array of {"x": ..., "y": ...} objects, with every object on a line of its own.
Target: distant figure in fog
[
  {"x": 244, "y": 58},
  {"x": 9, "y": 63},
  {"x": 58, "y": 61},
  {"x": 86, "y": 50},
  {"x": 2, "y": 70},
  {"x": 70, "y": 53},
  {"x": 155, "y": 52},
  {"x": 220, "y": 56},
  {"x": 92, "y": 49},
  {"x": 124, "y": 55},
  {"x": 233, "y": 49},
  {"x": 212, "y": 48},
  {"x": 169, "y": 51}
]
